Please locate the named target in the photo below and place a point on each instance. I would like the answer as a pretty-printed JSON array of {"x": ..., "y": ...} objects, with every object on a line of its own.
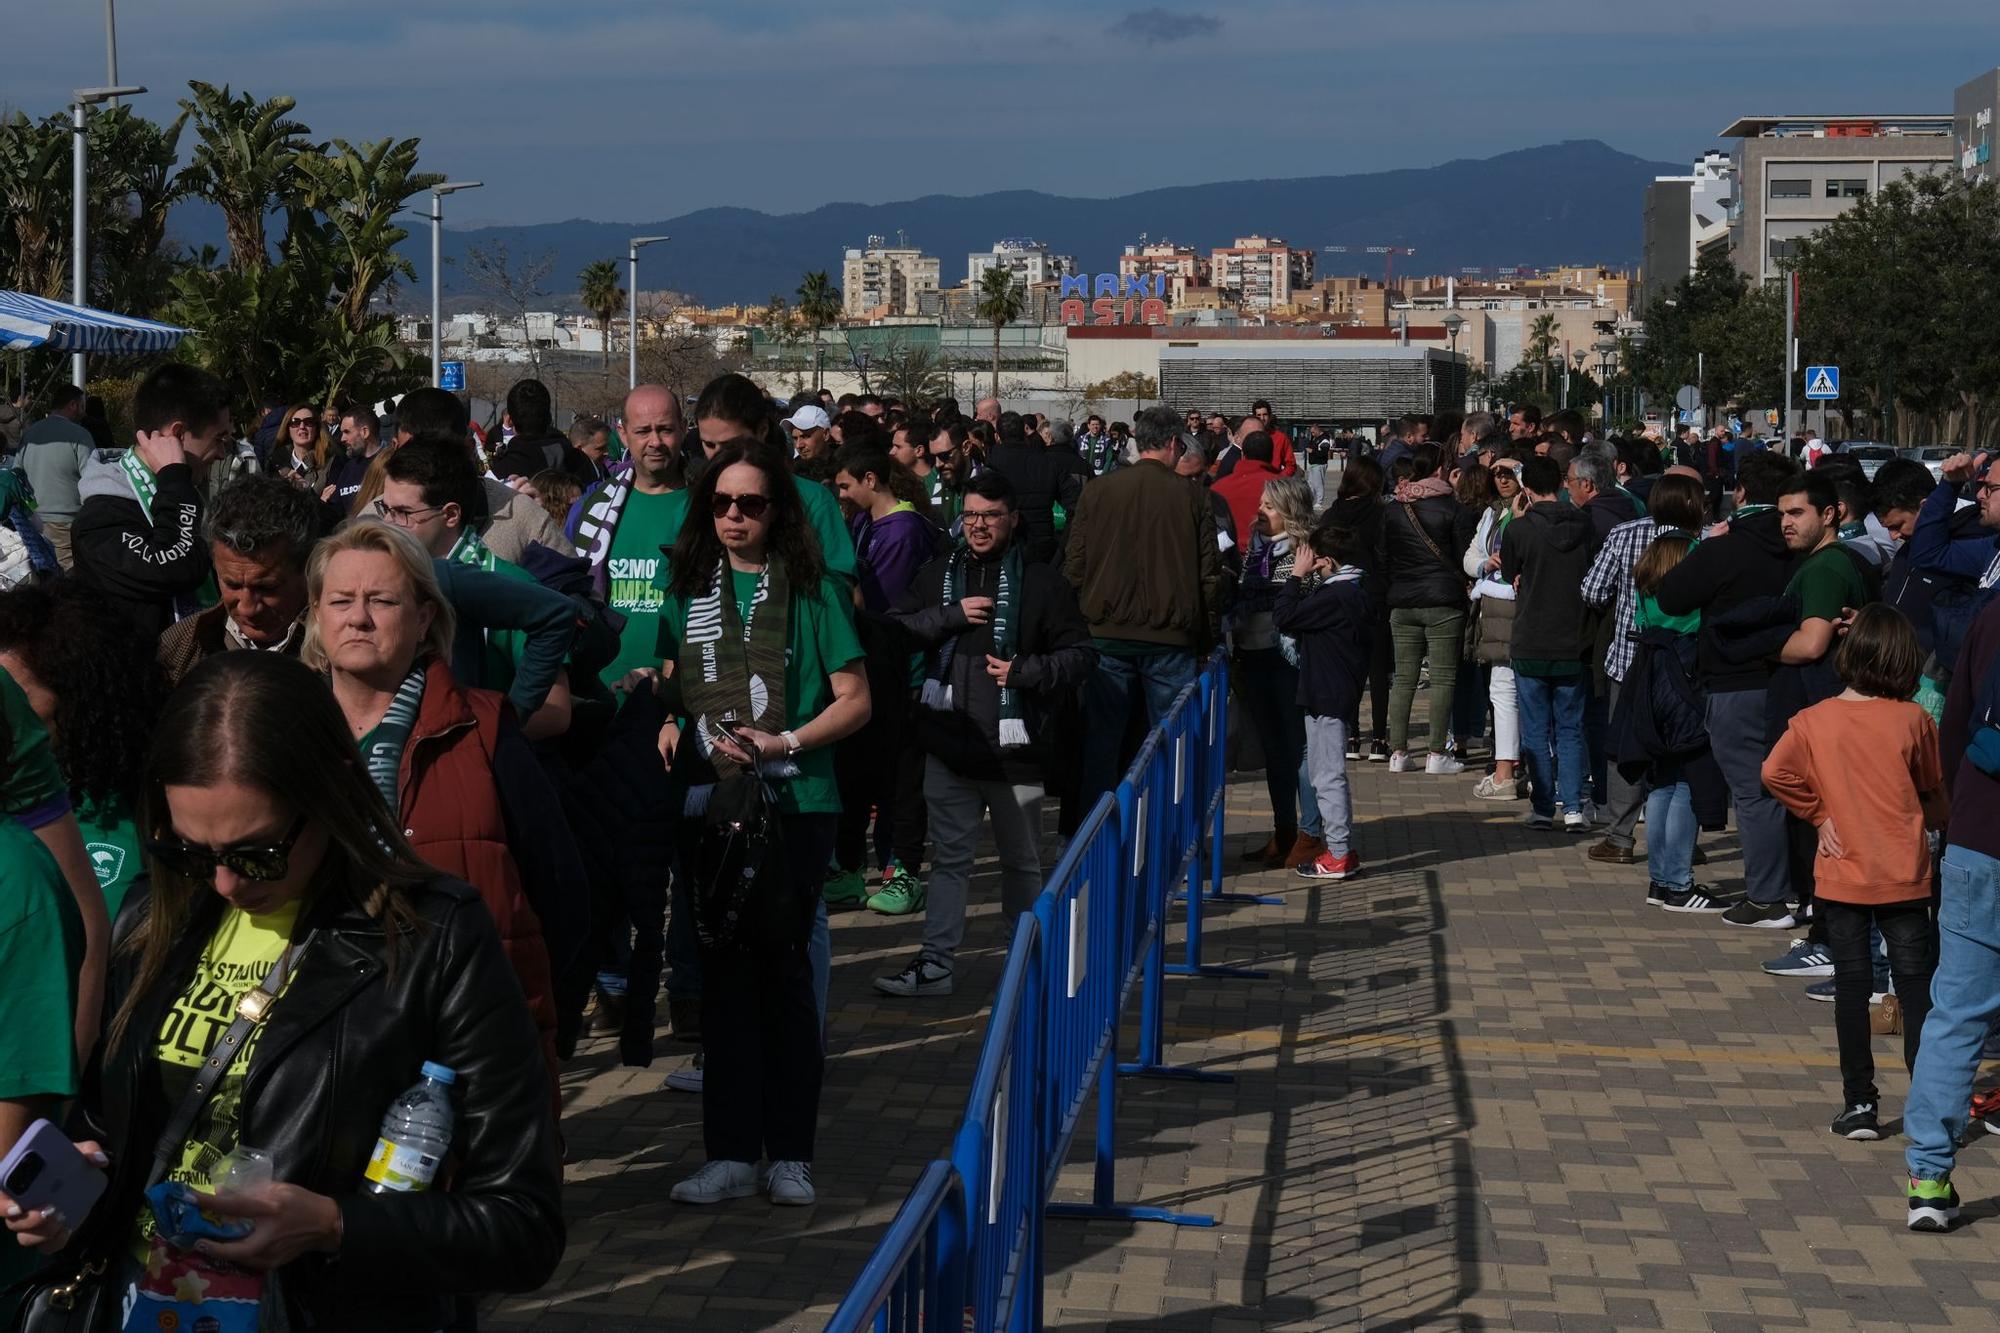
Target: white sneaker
[
  {"x": 1490, "y": 789},
  {"x": 790, "y": 1183},
  {"x": 688, "y": 1077},
  {"x": 924, "y": 976},
  {"x": 1575, "y": 821},
  {"x": 1443, "y": 763},
  {"x": 1399, "y": 762},
  {"x": 718, "y": 1181}
]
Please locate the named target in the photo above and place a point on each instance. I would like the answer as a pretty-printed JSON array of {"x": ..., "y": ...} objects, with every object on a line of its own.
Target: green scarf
[
  {"x": 1006, "y": 637},
  {"x": 737, "y": 671},
  {"x": 140, "y": 477},
  {"x": 469, "y": 550},
  {"x": 386, "y": 743}
]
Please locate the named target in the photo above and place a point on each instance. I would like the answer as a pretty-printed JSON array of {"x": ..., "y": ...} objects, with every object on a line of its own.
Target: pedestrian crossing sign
[{"x": 1822, "y": 382}]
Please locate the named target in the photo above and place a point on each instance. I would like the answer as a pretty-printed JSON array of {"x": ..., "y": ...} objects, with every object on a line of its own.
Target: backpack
[{"x": 1662, "y": 714}]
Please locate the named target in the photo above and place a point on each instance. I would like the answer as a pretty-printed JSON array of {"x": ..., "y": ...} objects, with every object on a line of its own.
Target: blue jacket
[{"x": 1937, "y": 548}]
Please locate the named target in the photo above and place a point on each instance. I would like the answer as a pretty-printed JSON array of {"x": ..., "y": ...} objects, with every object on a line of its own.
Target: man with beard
[{"x": 950, "y": 471}]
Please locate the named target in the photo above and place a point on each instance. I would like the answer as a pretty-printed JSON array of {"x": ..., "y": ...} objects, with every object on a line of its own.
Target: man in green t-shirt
[{"x": 1827, "y": 578}]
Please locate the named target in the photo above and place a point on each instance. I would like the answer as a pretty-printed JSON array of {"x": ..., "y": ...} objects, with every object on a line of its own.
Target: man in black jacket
[
  {"x": 1042, "y": 479},
  {"x": 1005, "y": 641},
  {"x": 1545, "y": 553},
  {"x": 537, "y": 444},
  {"x": 137, "y": 536},
  {"x": 1749, "y": 560}
]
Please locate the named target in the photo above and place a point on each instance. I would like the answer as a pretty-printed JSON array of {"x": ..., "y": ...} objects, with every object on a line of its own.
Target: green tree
[
  {"x": 245, "y": 162},
  {"x": 597, "y": 287},
  {"x": 818, "y": 307},
  {"x": 914, "y": 372},
  {"x": 1000, "y": 302},
  {"x": 358, "y": 192},
  {"x": 1541, "y": 346}
]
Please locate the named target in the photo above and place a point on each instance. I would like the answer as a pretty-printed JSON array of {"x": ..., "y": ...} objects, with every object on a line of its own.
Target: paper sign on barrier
[
  {"x": 997, "y": 1169},
  {"x": 1079, "y": 937},
  {"x": 1139, "y": 837},
  {"x": 1180, "y": 766}
]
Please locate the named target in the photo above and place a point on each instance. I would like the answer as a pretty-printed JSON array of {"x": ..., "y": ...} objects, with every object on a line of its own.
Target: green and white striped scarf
[
  {"x": 391, "y": 736},
  {"x": 140, "y": 478}
]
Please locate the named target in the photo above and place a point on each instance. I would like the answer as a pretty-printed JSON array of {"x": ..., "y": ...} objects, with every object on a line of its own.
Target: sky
[{"x": 639, "y": 110}]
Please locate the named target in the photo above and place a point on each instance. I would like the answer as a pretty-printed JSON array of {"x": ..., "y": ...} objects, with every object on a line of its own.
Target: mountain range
[{"x": 1575, "y": 202}]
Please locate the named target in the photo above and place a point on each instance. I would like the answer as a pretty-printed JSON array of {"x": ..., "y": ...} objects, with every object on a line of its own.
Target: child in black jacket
[{"x": 1325, "y": 608}]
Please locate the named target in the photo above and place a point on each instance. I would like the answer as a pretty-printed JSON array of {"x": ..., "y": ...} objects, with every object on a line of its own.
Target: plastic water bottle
[{"x": 416, "y": 1134}]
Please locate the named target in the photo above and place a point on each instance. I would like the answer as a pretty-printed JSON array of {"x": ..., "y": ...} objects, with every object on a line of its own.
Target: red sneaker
[
  {"x": 1985, "y": 1106},
  {"x": 1328, "y": 866}
]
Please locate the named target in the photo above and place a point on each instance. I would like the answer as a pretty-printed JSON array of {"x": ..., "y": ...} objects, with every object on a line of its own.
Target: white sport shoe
[
  {"x": 1491, "y": 790},
  {"x": 718, "y": 1181},
  {"x": 1443, "y": 763},
  {"x": 790, "y": 1183},
  {"x": 688, "y": 1077},
  {"x": 1575, "y": 821},
  {"x": 1399, "y": 762}
]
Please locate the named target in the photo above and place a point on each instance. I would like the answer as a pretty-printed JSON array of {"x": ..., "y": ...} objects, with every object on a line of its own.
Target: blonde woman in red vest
[{"x": 448, "y": 759}]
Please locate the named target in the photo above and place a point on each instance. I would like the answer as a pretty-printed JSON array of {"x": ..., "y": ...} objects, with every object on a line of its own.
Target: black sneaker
[
  {"x": 1767, "y": 916},
  {"x": 1378, "y": 752},
  {"x": 1700, "y": 898},
  {"x": 1656, "y": 894},
  {"x": 1858, "y": 1122}
]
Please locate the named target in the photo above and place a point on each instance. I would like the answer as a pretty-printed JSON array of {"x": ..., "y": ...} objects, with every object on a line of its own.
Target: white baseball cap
[{"x": 810, "y": 417}]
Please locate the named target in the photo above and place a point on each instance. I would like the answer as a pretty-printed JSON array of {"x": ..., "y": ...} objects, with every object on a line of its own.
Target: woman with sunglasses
[
  {"x": 303, "y": 451},
  {"x": 765, "y": 670},
  {"x": 467, "y": 792},
  {"x": 291, "y": 971}
]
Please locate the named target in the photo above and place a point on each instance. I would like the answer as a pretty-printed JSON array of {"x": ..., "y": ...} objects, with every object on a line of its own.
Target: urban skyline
[{"x": 627, "y": 113}]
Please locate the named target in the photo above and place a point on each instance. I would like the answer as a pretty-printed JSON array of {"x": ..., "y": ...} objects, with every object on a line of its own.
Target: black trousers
[
  {"x": 1381, "y": 666},
  {"x": 1909, "y": 930},
  {"x": 760, "y": 1035},
  {"x": 880, "y": 771}
]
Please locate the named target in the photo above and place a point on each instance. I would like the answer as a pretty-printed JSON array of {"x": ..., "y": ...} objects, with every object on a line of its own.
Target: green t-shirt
[
  {"x": 822, "y": 641},
  {"x": 41, "y": 952},
  {"x": 111, "y": 839},
  {"x": 32, "y": 780},
  {"x": 836, "y": 544},
  {"x": 1826, "y": 582},
  {"x": 633, "y": 577}
]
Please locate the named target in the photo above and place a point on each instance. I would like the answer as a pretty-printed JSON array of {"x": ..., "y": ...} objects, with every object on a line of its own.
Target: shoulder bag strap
[
  {"x": 1410, "y": 512},
  {"x": 251, "y": 1009}
]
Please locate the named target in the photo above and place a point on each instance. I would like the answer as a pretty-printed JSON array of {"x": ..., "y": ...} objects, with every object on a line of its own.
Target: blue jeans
[
  {"x": 1268, "y": 687},
  {"x": 1553, "y": 705},
  {"x": 1965, "y": 998},
  {"x": 1107, "y": 702},
  {"x": 1670, "y": 830}
]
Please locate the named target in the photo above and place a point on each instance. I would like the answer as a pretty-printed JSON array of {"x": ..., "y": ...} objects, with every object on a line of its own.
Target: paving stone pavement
[{"x": 1484, "y": 1086}]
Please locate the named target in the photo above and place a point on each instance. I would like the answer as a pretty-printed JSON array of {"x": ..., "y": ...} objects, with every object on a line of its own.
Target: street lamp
[
  {"x": 1606, "y": 348},
  {"x": 79, "y": 254},
  {"x": 632, "y": 313},
  {"x": 1453, "y": 322},
  {"x": 438, "y": 192}
]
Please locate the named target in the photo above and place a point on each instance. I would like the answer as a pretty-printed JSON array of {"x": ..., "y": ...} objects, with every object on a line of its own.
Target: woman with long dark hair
[
  {"x": 766, "y": 673},
  {"x": 93, "y": 680},
  {"x": 294, "y": 969}
]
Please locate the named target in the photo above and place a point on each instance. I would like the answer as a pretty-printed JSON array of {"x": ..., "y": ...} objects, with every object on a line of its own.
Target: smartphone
[{"x": 46, "y": 1171}]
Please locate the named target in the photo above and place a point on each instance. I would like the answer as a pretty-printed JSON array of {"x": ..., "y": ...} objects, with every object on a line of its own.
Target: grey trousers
[
  {"x": 956, "y": 807},
  {"x": 1736, "y": 736},
  {"x": 1627, "y": 799},
  {"x": 1326, "y": 760}
]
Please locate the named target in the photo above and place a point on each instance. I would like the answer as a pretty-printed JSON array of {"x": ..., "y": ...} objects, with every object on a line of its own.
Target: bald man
[
  {"x": 620, "y": 525},
  {"x": 988, "y": 411}
]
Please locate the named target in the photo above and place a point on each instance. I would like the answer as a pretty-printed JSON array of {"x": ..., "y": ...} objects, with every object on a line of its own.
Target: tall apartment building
[
  {"x": 1796, "y": 173},
  {"x": 1260, "y": 272},
  {"x": 1974, "y": 106},
  {"x": 1685, "y": 215},
  {"x": 881, "y": 279},
  {"x": 1029, "y": 261},
  {"x": 1181, "y": 265}
]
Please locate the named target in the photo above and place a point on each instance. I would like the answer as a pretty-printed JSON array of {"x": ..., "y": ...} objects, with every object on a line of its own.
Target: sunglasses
[
  {"x": 264, "y": 862},
  {"x": 302, "y": 422},
  {"x": 752, "y": 506}
]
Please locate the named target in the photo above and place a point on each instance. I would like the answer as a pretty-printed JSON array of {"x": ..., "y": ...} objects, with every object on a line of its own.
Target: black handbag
[
  {"x": 80, "y": 1300},
  {"x": 738, "y": 864}
]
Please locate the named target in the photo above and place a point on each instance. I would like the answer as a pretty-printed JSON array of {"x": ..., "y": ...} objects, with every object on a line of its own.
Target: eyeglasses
[
  {"x": 982, "y": 518},
  {"x": 752, "y": 506},
  {"x": 1988, "y": 487},
  {"x": 404, "y": 517},
  {"x": 261, "y": 861}
]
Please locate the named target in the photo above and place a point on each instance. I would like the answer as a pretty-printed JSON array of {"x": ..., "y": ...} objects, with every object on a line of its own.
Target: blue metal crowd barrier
[{"x": 967, "y": 1243}]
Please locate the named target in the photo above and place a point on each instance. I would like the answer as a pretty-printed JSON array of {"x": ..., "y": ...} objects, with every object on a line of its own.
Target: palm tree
[
  {"x": 1541, "y": 343},
  {"x": 359, "y": 191},
  {"x": 598, "y": 287},
  {"x": 819, "y": 306},
  {"x": 245, "y": 162},
  {"x": 1001, "y": 300}
]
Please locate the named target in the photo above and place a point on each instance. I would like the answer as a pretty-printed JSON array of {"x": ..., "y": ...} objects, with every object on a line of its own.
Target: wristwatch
[{"x": 791, "y": 741}]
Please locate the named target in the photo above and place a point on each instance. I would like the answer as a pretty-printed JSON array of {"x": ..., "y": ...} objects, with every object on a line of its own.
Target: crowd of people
[{"x": 454, "y": 745}]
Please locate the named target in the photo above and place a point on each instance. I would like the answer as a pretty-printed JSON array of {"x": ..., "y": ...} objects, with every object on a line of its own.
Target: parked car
[
  {"x": 1870, "y": 455},
  {"x": 1932, "y": 456}
]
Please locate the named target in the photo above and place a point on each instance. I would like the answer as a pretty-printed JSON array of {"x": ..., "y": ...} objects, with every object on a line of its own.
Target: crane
[{"x": 1388, "y": 253}]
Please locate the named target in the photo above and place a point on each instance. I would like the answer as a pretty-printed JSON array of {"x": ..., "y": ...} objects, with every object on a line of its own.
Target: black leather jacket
[
  {"x": 1419, "y": 575},
  {"x": 344, "y": 1040}
]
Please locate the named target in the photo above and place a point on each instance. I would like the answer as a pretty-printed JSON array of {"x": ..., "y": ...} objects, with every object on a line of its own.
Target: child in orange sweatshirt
[{"x": 1863, "y": 768}]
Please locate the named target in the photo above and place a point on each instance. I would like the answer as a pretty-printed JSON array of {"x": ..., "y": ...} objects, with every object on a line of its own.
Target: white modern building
[{"x": 1028, "y": 260}]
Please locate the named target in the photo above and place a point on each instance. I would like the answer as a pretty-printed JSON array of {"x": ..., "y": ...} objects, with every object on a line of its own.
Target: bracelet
[{"x": 791, "y": 741}]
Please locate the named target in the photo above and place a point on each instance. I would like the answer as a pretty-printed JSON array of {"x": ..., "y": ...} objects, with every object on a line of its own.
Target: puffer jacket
[
  {"x": 348, "y": 1036},
  {"x": 1421, "y": 572},
  {"x": 455, "y": 814}
]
